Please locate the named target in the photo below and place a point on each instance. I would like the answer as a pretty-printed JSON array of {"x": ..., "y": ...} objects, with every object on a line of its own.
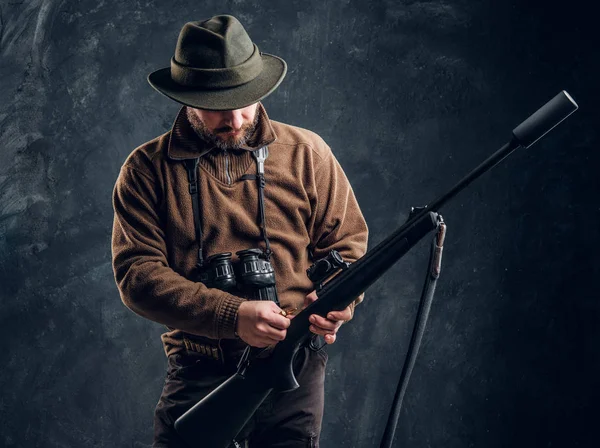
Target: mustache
[
  {"x": 226, "y": 129},
  {"x": 229, "y": 128}
]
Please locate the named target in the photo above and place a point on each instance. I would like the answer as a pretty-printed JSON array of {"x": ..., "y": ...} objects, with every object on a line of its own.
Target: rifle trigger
[
  {"x": 244, "y": 361},
  {"x": 313, "y": 344}
]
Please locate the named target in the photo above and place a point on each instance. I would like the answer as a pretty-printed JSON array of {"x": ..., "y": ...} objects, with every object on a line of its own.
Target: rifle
[{"x": 217, "y": 419}]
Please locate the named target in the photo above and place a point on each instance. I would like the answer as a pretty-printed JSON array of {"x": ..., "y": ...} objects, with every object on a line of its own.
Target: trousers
[{"x": 284, "y": 420}]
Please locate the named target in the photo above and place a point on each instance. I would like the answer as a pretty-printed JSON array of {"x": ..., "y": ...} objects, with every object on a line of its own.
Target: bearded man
[{"x": 190, "y": 194}]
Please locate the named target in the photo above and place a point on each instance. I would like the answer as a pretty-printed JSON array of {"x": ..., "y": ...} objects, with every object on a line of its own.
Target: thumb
[{"x": 310, "y": 298}]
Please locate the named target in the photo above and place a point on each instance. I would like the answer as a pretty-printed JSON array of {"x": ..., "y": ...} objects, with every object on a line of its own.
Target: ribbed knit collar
[{"x": 184, "y": 143}]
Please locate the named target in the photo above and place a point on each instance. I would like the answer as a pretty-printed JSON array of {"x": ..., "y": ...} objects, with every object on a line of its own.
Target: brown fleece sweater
[{"x": 309, "y": 205}]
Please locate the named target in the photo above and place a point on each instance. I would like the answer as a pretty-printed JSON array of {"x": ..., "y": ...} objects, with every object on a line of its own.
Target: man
[{"x": 191, "y": 193}]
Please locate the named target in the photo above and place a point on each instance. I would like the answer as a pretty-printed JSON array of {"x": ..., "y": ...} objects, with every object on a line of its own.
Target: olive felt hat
[{"x": 217, "y": 67}]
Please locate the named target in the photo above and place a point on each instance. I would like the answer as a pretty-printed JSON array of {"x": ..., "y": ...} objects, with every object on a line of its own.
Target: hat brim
[{"x": 274, "y": 70}]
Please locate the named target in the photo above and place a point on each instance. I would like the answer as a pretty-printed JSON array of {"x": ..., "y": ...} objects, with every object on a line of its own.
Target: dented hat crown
[{"x": 216, "y": 66}]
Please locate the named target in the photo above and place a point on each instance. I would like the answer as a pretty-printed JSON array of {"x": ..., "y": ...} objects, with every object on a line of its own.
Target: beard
[{"x": 218, "y": 137}]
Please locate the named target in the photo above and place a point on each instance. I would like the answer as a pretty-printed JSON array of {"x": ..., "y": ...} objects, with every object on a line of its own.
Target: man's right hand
[{"x": 260, "y": 323}]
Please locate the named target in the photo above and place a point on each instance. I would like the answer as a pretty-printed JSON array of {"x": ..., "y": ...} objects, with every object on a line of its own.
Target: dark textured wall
[{"x": 410, "y": 95}]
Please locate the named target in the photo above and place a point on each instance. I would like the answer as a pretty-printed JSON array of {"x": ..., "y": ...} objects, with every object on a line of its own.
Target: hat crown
[
  {"x": 216, "y": 43},
  {"x": 217, "y": 67}
]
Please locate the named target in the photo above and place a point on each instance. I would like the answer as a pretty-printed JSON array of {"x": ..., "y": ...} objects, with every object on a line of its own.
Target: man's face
[{"x": 225, "y": 129}]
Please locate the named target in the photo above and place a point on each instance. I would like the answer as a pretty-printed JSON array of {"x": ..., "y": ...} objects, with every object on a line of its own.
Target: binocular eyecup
[{"x": 252, "y": 276}]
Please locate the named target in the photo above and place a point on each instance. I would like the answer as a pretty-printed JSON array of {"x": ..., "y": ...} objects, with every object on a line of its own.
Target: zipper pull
[{"x": 261, "y": 155}]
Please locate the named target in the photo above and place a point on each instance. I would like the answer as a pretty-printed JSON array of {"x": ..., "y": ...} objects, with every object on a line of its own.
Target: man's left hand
[{"x": 327, "y": 327}]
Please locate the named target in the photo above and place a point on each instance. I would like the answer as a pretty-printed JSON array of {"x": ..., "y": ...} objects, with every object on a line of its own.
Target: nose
[{"x": 234, "y": 119}]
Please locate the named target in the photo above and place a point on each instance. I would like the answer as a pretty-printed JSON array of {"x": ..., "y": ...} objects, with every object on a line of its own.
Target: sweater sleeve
[
  {"x": 147, "y": 285},
  {"x": 339, "y": 223}
]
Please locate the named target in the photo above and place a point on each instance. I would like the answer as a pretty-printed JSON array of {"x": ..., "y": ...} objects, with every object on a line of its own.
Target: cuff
[{"x": 227, "y": 317}]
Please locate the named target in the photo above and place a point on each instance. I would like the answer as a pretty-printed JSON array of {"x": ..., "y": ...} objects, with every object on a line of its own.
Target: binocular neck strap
[
  {"x": 191, "y": 165},
  {"x": 260, "y": 155}
]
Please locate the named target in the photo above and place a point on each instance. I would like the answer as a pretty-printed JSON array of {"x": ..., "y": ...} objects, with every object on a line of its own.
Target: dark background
[{"x": 410, "y": 96}]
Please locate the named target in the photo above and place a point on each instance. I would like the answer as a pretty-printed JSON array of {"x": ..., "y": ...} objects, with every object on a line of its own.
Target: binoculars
[{"x": 252, "y": 276}]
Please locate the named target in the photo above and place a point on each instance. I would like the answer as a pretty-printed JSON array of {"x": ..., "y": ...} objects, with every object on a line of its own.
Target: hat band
[{"x": 217, "y": 78}]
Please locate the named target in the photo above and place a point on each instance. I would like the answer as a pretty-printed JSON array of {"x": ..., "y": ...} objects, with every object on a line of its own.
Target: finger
[
  {"x": 310, "y": 298},
  {"x": 321, "y": 331},
  {"x": 325, "y": 324},
  {"x": 330, "y": 338},
  {"x": 277, "y": 320},
  {"x": 276, "y": 335},
  {"x": 276, "y": 317},
  {"x": 344, "y": 315},
  {"x": 272, "y": 332}
]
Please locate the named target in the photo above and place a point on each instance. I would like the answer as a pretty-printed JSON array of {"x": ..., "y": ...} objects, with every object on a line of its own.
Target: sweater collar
[{"x": 184, "y": 143}]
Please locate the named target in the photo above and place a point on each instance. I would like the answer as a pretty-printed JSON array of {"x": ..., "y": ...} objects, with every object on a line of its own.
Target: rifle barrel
[{"x": 525, "y": 135}]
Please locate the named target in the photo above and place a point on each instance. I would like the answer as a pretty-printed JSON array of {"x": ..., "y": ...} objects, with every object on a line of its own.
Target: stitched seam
[
  {"x": 141, "y": 173},
  {"x": 305, "y": 144}
]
